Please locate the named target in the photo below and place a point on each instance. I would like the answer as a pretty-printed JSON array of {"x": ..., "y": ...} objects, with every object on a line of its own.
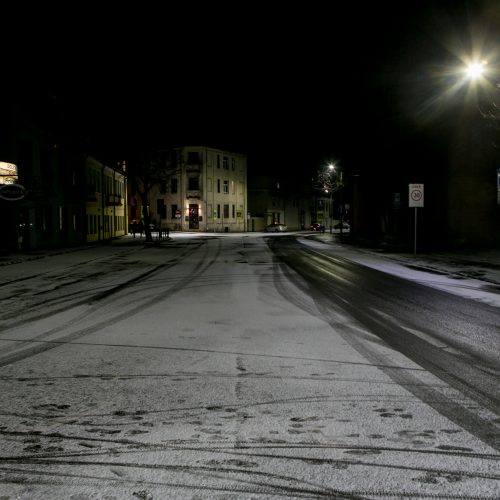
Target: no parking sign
[{"x": 416, "y": 195}]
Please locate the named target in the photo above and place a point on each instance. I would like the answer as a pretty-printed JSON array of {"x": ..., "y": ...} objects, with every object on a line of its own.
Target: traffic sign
[{"x": 416, "y": 195}]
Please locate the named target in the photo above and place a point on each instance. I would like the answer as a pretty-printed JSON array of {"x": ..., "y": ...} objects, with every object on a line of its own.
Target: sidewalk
[{"x": 483, "y": 265}]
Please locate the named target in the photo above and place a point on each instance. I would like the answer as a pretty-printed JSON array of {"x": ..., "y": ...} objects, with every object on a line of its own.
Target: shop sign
[
  {"x": 12, "y": 192},
  {"x": 8, "y": 173}
]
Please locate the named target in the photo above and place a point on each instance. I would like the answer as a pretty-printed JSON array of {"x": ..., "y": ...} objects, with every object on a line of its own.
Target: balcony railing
[
  {"x": 114, "y": 200},
  {"x": 193, "y": 193},
  {"x": 91, "y": 193},
  {"x": 193, "y": 167}
]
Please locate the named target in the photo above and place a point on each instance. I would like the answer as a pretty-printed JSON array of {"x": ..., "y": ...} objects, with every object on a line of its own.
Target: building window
[
  {"x": 61, "y": 218},
  {"x": 193, "y": 183},
  {"x": 218, "y": 161},
  {"x": 173, "y": 211},
  {"x": 193, "y": 158},
  {"x": 233, "y": 187},
  {"x": 174, "y": 183},
  {"x": 233, "y": 211},
  {"x": 25, "y": 157},
  {"x": 225, "y": 163},
  {"x": 218, "y": 185},
  {"x": 161, "y": 208},
  {"x": 45, "y": 218},
  {"x": 76, "y": 220},
  {"x": 233, "y": 164},
  {"x": 45, "y": 166},
  {"x": 218, "y": 211},
  {"x": 209, "y": 184},
  {"x": 226, "y": 211},
  {"x": 226, "y": 187}
]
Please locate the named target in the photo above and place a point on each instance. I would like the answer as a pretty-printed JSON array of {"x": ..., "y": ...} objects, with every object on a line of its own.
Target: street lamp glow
[{"x": 475, "y": 69}]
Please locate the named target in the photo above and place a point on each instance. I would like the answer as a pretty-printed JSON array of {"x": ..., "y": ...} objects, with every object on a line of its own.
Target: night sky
[{"x": 292, "y": 85}]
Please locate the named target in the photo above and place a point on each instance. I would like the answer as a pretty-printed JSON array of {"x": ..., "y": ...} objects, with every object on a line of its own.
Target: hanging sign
[{"x": 12, "y": 192}]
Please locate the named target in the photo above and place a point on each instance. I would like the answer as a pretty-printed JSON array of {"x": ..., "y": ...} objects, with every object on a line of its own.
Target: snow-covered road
[{"x": 188, "y": 371}]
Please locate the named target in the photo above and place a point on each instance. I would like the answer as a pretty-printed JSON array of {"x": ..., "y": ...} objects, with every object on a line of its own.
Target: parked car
[
  {"x": 276, "y": 228},
  {"x": 315, "y": 226},
  {"x": 345, "y": 226}
]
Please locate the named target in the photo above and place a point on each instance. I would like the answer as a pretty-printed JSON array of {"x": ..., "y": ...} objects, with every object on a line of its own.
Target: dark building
[{"x": 43, "y": 199}]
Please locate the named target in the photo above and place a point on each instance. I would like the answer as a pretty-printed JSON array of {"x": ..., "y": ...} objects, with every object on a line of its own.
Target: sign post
[{"x": 415, "y": 199}]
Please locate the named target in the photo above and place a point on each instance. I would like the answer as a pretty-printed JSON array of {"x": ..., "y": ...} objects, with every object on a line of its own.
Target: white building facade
[{"x": 206, "y": 190}]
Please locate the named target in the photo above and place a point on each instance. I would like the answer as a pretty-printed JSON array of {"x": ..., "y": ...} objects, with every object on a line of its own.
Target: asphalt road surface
[{"x": 241, "y": 366}]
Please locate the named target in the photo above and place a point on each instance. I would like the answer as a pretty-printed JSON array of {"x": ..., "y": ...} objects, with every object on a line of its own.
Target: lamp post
[
  {"x": 341, "y": 187},
  {"x": 330, "y": 211},
  {"x": 331, "y": 169},
  {"x": 327, "y": 181},
  {"x": 336, "y": 185}
]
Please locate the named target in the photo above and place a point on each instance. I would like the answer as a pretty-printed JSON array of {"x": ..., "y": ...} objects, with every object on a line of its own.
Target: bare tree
[
  {"x": 149, "y": 171},
  {"x": 329, "y": 180}
]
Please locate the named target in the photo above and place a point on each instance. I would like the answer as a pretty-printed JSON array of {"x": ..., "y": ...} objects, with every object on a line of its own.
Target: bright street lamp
[{"x": 475, "y": 69}]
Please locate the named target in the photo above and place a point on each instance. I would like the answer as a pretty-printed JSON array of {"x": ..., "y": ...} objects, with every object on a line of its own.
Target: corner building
[
  {"x": 106, "y": 201},
  {"x": 205, "y": 190}
]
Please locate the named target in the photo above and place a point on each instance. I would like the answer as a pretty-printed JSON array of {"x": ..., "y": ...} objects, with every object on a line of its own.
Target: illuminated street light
[
  {"x": 475, "y": 70},
  {"x": 476, "y": 79}
]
